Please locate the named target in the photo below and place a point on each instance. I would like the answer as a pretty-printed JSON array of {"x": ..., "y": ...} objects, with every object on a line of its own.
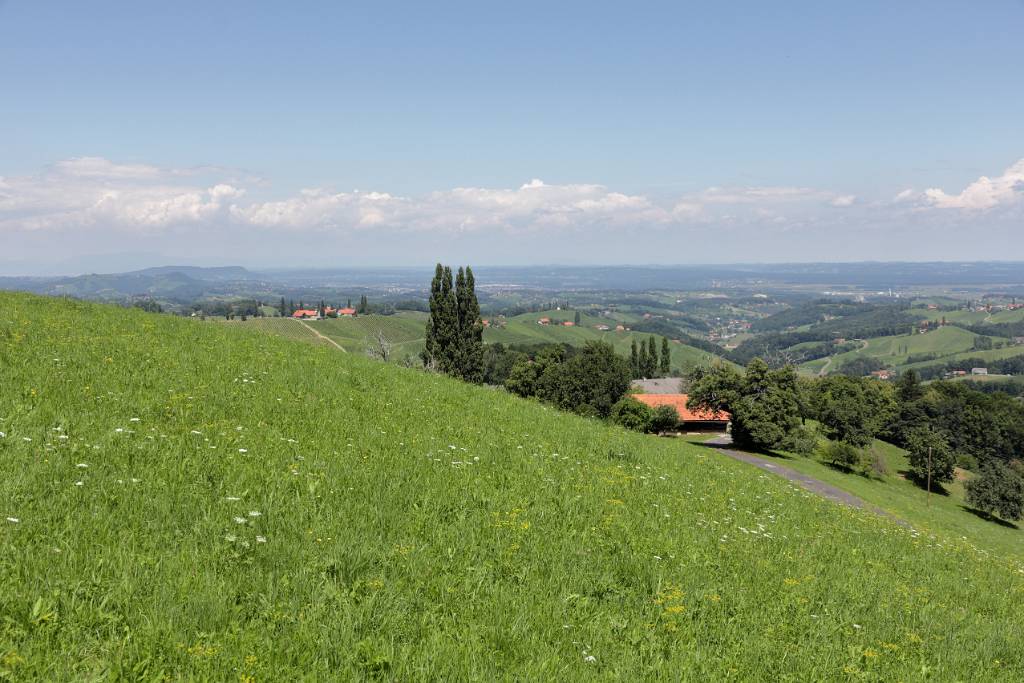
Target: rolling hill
[
  {"x": 405, "y": 331},
  {"x": 191, "y": 501}
]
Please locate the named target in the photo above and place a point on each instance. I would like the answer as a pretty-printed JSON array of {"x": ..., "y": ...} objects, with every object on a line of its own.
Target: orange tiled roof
[{"x": 678, "y": 401}]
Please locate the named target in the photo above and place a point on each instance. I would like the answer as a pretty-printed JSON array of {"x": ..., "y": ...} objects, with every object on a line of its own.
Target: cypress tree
[
  {"x": 470, "y": 346},
  {"x": 576, "y": 318},
  {"x": 634, "y": 359},
  {"x": 430, "y": 345},
  {"x": 666, "y": 358},
  {"x": 641, "y": 362},
  {"x": 282, "y": 307},
  {"x": 652, "y": 358}
]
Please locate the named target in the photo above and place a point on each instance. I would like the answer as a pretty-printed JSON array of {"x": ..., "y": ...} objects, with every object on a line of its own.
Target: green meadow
[
  {"x": 947, "y": 343},
  {"x": 194, "y": 501}
]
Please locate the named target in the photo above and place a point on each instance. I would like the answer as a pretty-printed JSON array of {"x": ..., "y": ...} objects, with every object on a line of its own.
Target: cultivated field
[
  {"x": 184, "y": 501},
  {"x": 946, "y": 343}
]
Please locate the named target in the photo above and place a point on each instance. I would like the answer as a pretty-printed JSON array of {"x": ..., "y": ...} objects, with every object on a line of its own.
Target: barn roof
[{"x": 678, "y": 401}]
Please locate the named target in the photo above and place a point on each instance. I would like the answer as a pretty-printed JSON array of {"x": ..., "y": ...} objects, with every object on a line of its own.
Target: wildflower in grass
[
  {"x": 79, "y": 483},
  {"x": 25, "y": 438},
  {"x": 230, "y": 538},
  {"x": 134, "y": 419},
  {"x": 239, "y": 520},
  {"x": 255, "y": 513},
  {"x": 261, "y": 539},
  {"x": 590, "y": 659},
  {"x": 791, "y": 582},
  {"x": 870, "y": 654},
  {"x": 82, "y": 465},
  {"x": 232, "y": 498},
  {"x": 242, "y": 450},
  {"x": 3, "y": 435},
  {"x": 13, "y": 520}
]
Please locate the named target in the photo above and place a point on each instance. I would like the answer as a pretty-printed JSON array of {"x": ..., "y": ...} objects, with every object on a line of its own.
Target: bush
[
  {"x": 663, "y": 419},
  {"x": 801, "y": 441},
  {"x": 999, "y": 490},
  {"x": 875, "y": 464},
  {"x": 843, "y": 454},
  {"x": 632, "y": 414}
]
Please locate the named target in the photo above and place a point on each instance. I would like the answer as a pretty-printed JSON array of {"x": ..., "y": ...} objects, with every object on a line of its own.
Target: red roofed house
[
  {"x": 544, "y": 321},
  {"x": 346, "y": 312},
  {"x": 305, "y": 313},
  {"x": 688, "y": 419}
]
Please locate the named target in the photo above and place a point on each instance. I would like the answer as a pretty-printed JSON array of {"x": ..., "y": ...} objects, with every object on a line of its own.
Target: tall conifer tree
[
  {"x": 652, "y": 358},
  {"x": 666, "y": 358},
  {"x": 471, "y": 330}
]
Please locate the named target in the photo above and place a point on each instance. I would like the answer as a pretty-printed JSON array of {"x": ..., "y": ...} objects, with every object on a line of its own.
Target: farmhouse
[
  {"x": 979, "y": 371},
  {"x": 881, "y": 374},
  {"x": 544, "y": 321},
  {"x": 688, "y": 419},
  {"x": 346, "y": 312},
  {"x": 306, "y": 313}
]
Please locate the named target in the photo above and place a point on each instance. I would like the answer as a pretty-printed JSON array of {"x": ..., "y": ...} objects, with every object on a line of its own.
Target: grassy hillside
[
  {"x": 199, "y": 501},
  {"x": 946, "y": 513},
  {"x": 948, "y": 341},
  {"x": 523, "y": 329}
]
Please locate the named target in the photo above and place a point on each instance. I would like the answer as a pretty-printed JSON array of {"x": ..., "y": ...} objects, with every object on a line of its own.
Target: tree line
[{"x": 941, "y": 425}]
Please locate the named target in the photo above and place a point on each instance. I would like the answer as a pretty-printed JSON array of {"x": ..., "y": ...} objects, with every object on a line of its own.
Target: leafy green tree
[
  {"x": 526, "y": 372},
  {"x": 666, "y": 358},
  {"x": 632, "y": 414},
  {"x": 853, "y": 410},
  {"x": 929, "y": 454},
  {"x": 998, "y": 489},
  {"x": 763, "y": 402},
  {"x": 589, "y": 383}
]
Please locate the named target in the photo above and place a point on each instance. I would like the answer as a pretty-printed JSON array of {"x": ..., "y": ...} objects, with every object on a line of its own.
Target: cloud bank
[{"x": 108, "y": 205}]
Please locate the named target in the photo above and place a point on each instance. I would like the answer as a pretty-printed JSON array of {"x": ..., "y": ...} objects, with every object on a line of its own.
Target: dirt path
[
  {"x": 813, "y": 485},
  {"x": 317, "y": 333}
]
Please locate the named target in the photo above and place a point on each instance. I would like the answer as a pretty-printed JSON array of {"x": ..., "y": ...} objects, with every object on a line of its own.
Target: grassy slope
[
  {"x": 946, "y": 514},
  {"x": 523, "y": 329},
  {"x": 417, "y": 527},
  {"x": 946, "y": 341}
]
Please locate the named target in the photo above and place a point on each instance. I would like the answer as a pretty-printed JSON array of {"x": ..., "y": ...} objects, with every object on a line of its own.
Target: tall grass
[{"x": 209, "y": 502}]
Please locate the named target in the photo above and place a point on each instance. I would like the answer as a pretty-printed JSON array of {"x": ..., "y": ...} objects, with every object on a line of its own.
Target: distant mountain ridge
[{"x": 176, "y": 282}]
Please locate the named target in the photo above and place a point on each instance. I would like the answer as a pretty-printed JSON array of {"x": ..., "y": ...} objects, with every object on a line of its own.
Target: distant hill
[
  {"x": 198, "y": 501},
  {"x": 172, "y": 282},
  {"x": 213, "y": 274}
]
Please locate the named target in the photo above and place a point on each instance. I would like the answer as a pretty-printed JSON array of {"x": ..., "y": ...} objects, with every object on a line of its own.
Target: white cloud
[
  {"x": 844, "y": 200},
  {"x": 98, "y": 204},
  {"x": 983, "y": 193},
  {"x": 533, "y": 206}
]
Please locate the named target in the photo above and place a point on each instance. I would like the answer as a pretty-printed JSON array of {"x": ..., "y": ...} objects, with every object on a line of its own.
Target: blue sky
[{"x": 719, "y": 108}]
